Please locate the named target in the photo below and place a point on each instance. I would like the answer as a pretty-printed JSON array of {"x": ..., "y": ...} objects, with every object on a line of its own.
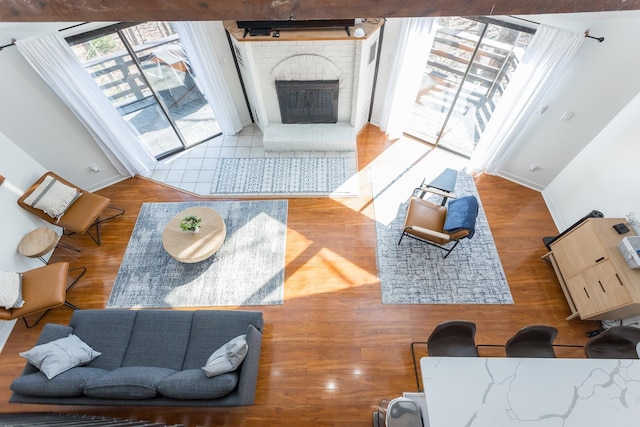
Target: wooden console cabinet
[{"x": 595, "y": 278}]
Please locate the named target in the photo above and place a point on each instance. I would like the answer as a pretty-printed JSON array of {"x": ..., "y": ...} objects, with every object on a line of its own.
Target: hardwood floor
[{"x": 332, "y": 351}]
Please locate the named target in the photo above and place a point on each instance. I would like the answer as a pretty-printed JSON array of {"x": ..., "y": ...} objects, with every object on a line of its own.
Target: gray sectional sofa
[{"x": 149, "y": 358}]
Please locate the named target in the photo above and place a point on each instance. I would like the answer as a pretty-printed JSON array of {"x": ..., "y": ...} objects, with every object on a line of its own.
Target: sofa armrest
[{"x": 249, "y": 368}]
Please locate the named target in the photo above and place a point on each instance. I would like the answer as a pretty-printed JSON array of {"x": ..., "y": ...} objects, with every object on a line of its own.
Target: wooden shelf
[{"x": 370, "y": 26}]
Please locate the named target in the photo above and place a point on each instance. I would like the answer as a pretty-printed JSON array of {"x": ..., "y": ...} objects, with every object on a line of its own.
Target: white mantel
[
  {"x": 308, "y": 55},
  {"x": 505, "y": 392}
]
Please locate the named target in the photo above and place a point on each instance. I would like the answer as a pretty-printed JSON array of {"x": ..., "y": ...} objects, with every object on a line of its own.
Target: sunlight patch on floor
[
  {"x": 347, "y": 273},
  {"x": 404, "y": 166}
]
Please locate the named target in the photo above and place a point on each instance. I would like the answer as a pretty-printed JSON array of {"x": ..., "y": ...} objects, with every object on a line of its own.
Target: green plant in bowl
[{"x": 190, "y": 223}]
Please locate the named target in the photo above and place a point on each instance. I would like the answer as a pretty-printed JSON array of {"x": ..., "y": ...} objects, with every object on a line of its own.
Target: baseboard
[
  {"x": 519, "y": 180},
  {"x": 548, "y": 200},
  {"x": 554, "y": 211},
  {"x": 106, "y": 183}
]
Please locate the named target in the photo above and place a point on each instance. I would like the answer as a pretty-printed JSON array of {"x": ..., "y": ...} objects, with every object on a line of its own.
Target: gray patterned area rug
[
  {"x": 416, "y": 273},
  {"x": 247, "y": 270},
  {"x": 313, "y": 176}
]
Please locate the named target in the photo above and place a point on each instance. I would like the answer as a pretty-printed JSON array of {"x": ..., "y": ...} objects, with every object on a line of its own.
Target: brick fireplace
[{"x": 314, "y": 56}]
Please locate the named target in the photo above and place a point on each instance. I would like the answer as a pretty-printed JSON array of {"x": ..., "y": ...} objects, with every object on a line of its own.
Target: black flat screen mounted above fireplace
[
  {"x": 308, "y": 101},
  {"x": 262, "y": 28}
]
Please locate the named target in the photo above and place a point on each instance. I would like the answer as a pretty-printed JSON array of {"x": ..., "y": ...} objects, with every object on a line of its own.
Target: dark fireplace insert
[{"x": 308, "y": 101}]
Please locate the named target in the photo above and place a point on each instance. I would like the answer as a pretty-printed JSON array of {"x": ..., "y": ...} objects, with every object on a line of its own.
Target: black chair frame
[
  {"x": 428, "y": 242},
  {"x": 96, "y": 238}
]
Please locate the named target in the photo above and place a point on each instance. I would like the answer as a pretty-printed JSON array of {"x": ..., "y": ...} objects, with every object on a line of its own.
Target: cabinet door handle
[
  {"x": 585, "y": 291},
  {"x": 600, "y": 259},
  {"x": 619, "y": 280},
  {"x": 601, "y": 287}
]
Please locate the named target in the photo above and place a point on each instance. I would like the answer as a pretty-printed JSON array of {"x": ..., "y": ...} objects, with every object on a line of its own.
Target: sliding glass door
[
  {"x": 146, "y": 74},
  {"x": 469, "y": 67}
]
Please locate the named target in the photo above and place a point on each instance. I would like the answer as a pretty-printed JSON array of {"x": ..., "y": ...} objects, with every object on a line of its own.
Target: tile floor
[{"x": 193, "y": 170}]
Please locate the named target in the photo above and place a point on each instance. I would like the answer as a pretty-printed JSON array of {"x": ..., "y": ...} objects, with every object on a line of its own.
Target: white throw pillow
[
  {"x": 60, "y": 355},
  {"x": 52, "y": 197},
  {"x": 11, "y": 290},
  {"x": 227, "y": 358}
]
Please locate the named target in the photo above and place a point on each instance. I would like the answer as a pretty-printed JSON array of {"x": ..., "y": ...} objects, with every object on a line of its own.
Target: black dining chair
[
  {"x": 532, "y": 341},
  {"x": 455, "y": 338},
  {"x": 617, "y": 342}
]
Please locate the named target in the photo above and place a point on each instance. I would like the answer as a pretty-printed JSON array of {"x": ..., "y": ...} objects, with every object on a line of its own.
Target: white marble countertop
[{"x": 505, "y": 392}]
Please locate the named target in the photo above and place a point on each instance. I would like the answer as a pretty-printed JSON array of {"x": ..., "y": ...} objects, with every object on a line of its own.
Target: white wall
[
  {"x": 20, "y": 171},
  {"x": 225, "y": 58},
  {"x": 390, "y": 38},
  {"x": 33, "y": 117},
  {"x": 603, "y": 176},
  {"x": 599, "y": 83},
  {"x": 363, "y": 80}
]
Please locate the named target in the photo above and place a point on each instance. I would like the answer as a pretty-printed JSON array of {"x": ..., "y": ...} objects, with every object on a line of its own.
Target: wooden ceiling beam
[{"x": 200, "y": 10}]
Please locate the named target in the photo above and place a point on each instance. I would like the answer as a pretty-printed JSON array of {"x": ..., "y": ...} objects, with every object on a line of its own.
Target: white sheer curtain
[
  {"x": 53, "y": 60},
  {"x": 548, "y": 55},
  {"x": 415, "y": 42},
  {"x": 197, "y": 43}
]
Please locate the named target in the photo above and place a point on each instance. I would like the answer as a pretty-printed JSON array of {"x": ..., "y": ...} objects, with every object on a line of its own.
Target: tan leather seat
[
  {"x": 43, "y": 288},
  {"x": 81, "y": 216},
  {"x": 425, "y": 222}
]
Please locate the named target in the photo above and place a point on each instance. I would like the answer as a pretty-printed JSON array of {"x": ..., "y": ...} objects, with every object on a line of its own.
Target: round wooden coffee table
[
  {"x": 190, "y": 247},
  {"x": 38, "y": 242}
]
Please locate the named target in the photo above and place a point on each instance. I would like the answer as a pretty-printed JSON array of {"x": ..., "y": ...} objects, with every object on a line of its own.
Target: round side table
[{"x": 37, "y": 243}]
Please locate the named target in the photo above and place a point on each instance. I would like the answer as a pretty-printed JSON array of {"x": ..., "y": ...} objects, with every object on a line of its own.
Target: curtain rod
[
  {"x": 586, "y": 33},
  {"x": 523, "y": 19},
  {"x": 13, "y": 43},
  {"x": 13, "y": 40}
]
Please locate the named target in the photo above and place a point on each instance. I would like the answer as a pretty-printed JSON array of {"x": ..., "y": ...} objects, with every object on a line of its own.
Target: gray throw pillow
[
  {"x": 60, "y": 355},
  {"x": 227, "y": 358}
]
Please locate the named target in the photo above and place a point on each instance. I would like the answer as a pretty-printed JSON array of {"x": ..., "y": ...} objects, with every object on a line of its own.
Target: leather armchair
[
  {"x": 83, "y": 214},
  {"x": 43, "y": 288},
  {"x": 425, "y": 221}
]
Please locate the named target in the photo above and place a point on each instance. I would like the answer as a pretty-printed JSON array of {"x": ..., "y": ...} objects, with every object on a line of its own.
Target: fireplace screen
[{"x": 314, "y": 101}]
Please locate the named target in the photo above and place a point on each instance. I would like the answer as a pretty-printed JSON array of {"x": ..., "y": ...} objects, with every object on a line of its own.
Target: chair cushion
[
  {"x": 11, "y": 290},
  {"x": 425, "y": 214},
  {"x": 68, "y": 384},
  {"x": 60, "y": 355},
  {"x": 133, "y": 382},
  {"x": 108, "y": 331},
  {"x": 43, "y": 288},
  {"x": 159, "y": 338},
  {"x": 52, "y": 197},
  {"x": 194, "y": 384},
  {"x": 227, "y": 358},
  {"x": 213, "y": 328}
]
